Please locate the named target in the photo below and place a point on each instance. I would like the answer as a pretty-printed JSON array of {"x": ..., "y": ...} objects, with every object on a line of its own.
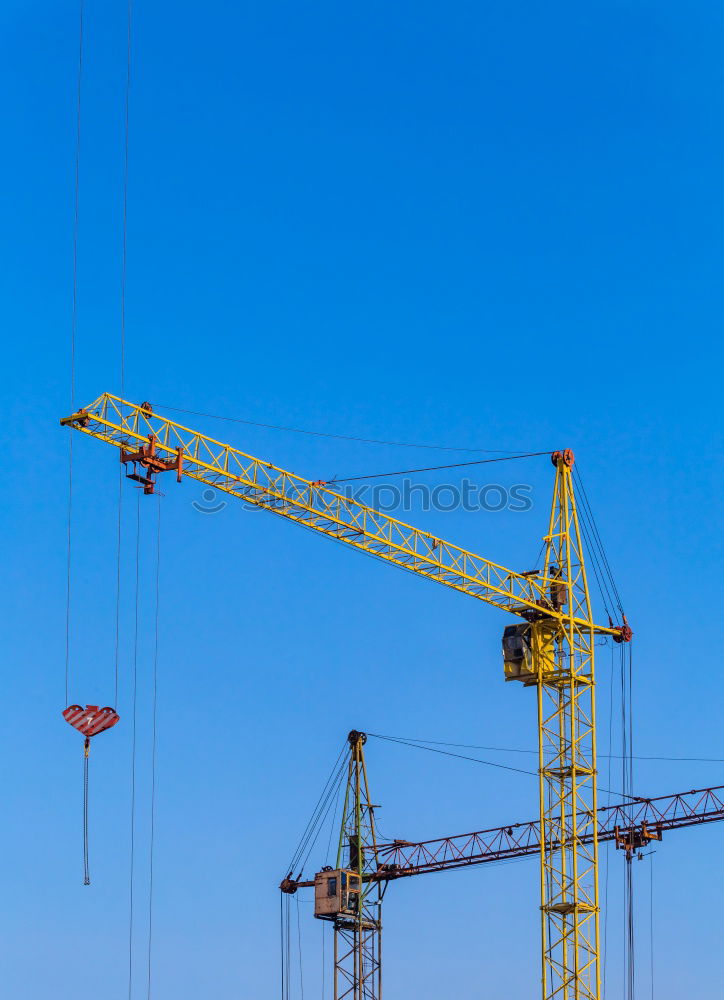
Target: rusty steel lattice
[{"x": 399, "y": 859}]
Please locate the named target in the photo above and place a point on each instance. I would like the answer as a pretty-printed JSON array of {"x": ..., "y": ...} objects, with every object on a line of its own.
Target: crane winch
[{"x": 551, "y": 650}]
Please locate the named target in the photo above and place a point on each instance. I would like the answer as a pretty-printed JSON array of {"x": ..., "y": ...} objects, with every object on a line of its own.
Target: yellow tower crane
[{"x": 551, "y": 650}]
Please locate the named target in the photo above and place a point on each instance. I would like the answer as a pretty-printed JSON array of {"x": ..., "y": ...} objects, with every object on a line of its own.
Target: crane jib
[{"x": 152, "y": 444}]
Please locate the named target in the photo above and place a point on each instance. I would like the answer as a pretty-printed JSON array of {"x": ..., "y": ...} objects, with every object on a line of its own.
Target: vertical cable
[
  {"x": 629, "y": 651},
  {"x": 123, "y": 319},
  {"x": 288, "y": 944},
  {"x": 73, "y": 329},
  {"x": 281, "y": 939},
  {"x": 651, "y": 923},
  {"x": 76, "y": 212},
  {"x": 133, "y": 750},
  {"x": 324, "y": 962},
  {"x": 125, "y": 198},
  {"x": 68, "y": 579},
  {"x": 153, "y": 747},
  {"x": 118, "y": 581},
  {"x": 299, "y": 943},
  {"x": 86, "y": 865}
]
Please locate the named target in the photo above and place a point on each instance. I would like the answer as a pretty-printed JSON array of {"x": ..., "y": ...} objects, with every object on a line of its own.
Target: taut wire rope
[
  {"x": 153, "y": 748},
  {"x": 73, "y": 330},
  {"x": 134, "y": 692}
]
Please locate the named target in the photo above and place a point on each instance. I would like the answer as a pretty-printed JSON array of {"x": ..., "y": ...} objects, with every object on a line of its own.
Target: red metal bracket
[
  {"x": 152, "y": 463},
  {"x": 91, "y": 720},
  {"x": 624, "y": 633},
  {"x": 635, "y": 838},
  {"x": 566, "y": 456}
]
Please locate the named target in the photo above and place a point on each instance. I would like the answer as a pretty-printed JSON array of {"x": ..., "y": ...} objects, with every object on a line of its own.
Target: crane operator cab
[
  {"x": 518, "y": 651},
  {"x": 336, "y": 893}
]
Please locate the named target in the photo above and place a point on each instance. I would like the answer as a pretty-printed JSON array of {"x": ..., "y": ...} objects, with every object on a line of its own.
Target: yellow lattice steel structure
[{"x": 555, "y": 601}]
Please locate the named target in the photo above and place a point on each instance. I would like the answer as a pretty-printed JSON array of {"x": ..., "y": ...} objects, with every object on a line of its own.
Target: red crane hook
[{"x": 89, "y": 721}]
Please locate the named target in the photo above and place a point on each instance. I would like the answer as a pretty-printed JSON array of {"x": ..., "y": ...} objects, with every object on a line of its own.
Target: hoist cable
[
  {"x": 434, "y": 468},
  {"x": 603, "y": 756},
  {"x": 332, "y": 824},
  {"x": 602, "y": 577},
  {"x": 316, "y": 829},
  {"x": 281, "y": 940},
  {"x": 321, "y": 802},
  {"x": 125, "y": 197},
  {"x": 86, "y": 867},
  {"x": 124, "y": 258},
  {"x": 339, "y": 437},
  {"x": 118, "y": 584},
  {"x": 133, "y": 750},
  {"x": 651, "y": 920},
  {"x": 595, "y": 549},
  {"x": 597, "y": 535},
  {"x": 73, "y": 329},
  {"x": 331, "y": 799},
  {"x": 488, "y": 763},
  {"x": 153, "y": 747},
  {"x": 68, "y": 579},
  {"x": 299, "y": 943},
  {"x": 76, "y": 211},
  {"x": 324, "y": 962},
  {"x": 630, "y": 944},
  {"x": 289, "y": 943},
  {"x": 598, "y": 571},
  {"x": 330, "y": 784}
]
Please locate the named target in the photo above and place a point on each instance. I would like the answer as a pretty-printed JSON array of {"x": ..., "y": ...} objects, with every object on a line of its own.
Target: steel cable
[
  {"x": 86, "y": 868},
  {"x": 73, "y": 330},
  {"x": 153, "y": 748},
  {"x": 299, "y": 943},
  {"x": 604, "y": 557},
  {"x": 488, "y": 763},
  {"x": 340, "y": 437},
  {"x": 133, "y": 751},
  {"x": 329, "y": 786},
  {"x": 434, "y": 468}
]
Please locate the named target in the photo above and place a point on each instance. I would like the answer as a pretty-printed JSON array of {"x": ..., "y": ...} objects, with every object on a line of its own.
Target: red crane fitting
[
  {"x": 624, "y": 633},
  {"x": 566, "y": 456},
  {"x": 91, "y": 720},
  {"x": 147, "y": 459}
]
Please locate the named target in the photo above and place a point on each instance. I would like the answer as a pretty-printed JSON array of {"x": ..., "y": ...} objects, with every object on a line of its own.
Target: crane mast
[
  {"x": 563, "y": 663},
  {"x": 551, "y": 651}
]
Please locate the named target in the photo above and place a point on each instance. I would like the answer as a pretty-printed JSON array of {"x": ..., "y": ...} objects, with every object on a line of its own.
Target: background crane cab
[
  {"x": 336, "y": 893},
  {"x": 521, "y": 645}
]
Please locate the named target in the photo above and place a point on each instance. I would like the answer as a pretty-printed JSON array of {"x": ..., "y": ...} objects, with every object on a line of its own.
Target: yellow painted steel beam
[{"x": 317, "y": 505}]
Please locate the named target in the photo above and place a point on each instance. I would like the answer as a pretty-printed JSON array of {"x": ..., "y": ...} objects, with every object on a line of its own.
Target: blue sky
[{"x": 485, "y": 226}]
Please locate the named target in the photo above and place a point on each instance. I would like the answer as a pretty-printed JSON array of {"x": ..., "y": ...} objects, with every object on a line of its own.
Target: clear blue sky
[{"x": 487, "y": 226}]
